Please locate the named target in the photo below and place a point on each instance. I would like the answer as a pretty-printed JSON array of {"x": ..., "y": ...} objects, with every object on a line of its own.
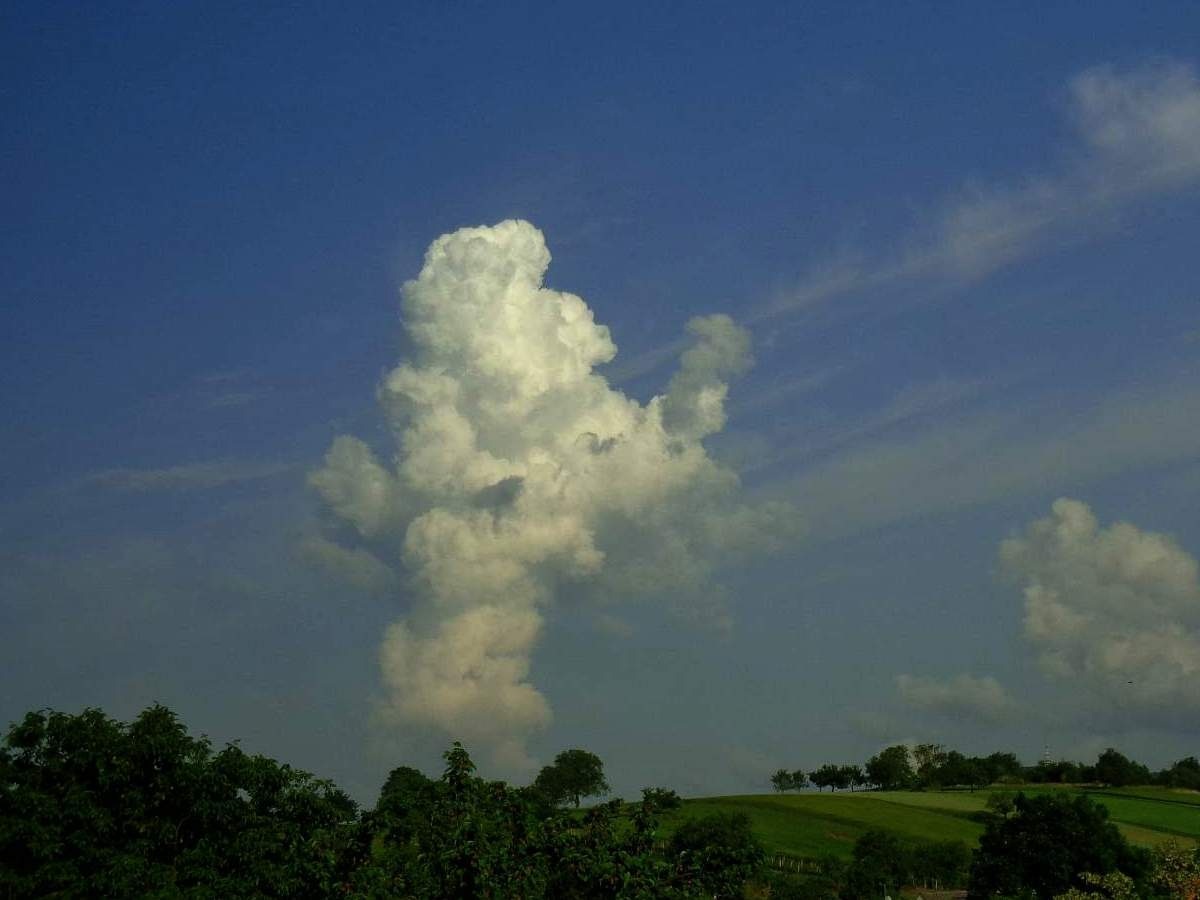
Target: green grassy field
[{"x": 811, "y": 825}]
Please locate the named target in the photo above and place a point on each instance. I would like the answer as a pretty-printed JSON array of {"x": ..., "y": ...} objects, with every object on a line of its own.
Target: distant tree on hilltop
[
  {"x": 573, "y": 775},
  {"x": 1118, "y": 770},
  {"x": 1184, "y": 773},
  {"x": 890, "y": 768}
]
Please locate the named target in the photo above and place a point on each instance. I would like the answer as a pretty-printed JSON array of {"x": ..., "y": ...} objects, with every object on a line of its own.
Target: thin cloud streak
[
  {"x": 1136, "y": 136},
  {"x": 998, "y": 455},
  {"x": 912, "y": 402},
  {"x": 188, "y": 476}
]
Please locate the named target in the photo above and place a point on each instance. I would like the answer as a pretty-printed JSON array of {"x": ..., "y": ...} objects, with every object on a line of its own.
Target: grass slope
[{"x": 811, "y": 825}]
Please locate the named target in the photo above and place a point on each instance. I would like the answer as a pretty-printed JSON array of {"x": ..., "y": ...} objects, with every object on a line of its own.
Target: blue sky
[{"x": 961, "y": 245}]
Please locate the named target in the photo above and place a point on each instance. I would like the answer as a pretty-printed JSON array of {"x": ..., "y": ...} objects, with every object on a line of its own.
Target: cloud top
[{"x": 519, "y": 471}]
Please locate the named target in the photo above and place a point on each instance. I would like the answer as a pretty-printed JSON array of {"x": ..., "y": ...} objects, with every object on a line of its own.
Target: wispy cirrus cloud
[
  {"x": 187, "y": 476},
  {"x": 226, "y": 389},
  {"x": 984, "y": 456},
  {"x": 1136, "y": 134}
]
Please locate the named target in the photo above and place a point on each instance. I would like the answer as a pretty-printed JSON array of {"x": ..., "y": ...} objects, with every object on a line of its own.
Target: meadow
[{"x": 809, "y": 825}]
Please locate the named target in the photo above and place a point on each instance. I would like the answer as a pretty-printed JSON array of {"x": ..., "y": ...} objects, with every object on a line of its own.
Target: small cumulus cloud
[
  {"x": 1114, "y": 609},
  {"x": 961, "y": 696},
  {"x": 519, "y": 473}
]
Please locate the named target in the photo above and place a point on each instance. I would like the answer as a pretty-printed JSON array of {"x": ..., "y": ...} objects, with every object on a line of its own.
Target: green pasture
[
  {"x": 1146, "y": 816},
  {"x": 812, "y": 825},
  {"x": 809, "y": 825}
]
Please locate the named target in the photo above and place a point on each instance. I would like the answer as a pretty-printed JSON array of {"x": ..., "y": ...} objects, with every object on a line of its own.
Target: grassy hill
[{"x": 811, "y": 825}]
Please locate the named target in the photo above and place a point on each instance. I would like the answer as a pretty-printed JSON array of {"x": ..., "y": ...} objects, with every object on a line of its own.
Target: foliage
[
  {"x": 1184, "y": 773},
  {"x": 661, "y": 799},
  {"x": 1000, "y": 804},
  {"x": 891, "y": 769},
  {"x": 720, "y": 850},
  {"x": 930, "y": 766},
  {"x": 405, "y": 793},
  {"x": 1001, "y": 767},
  {"x": 883, "y": 863},
  {"x": 1060, "y": 771},
  {"x": 480, "y": 839},
  {"x": 940, "y": 863},
  {"x": 1113, "y": 886},
  {"x": 1175, "y": 871},
  {"x": 851, "y": 777},
  {"x": 1117, "y": 770},
  {"x": 929, "y": 759},
  {"x": 828, "y": 776},
  {"x": 880, "y": 866},
  {"x": 574, "y": 774},
  {"x": 484, "y": 839},
  {"x": 1046, "y": 845},
  {"x": 957, "y": 769},
  {"x": 93, "y": 807}
]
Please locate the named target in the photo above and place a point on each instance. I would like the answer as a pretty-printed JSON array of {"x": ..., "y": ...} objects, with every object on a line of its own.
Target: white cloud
[
  {"x": 963, "y": 696},
  {"x": 1142, "y": 126},
  {"x": 1115, "y": 609},
  {"x": 519, "y": 472}
]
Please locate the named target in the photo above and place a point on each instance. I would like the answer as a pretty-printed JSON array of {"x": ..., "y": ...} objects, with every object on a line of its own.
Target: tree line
[
  {"x": 93, "y": 807},
  {"x": 931, "y": 766}
]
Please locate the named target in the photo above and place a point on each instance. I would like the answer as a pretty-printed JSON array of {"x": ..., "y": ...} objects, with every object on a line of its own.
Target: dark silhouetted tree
[
  {"x": 1184, "y": 773},
  {"x": 92, "y": 807},
  {"x": 720, "y": 849},
  {"x": 1046, "y": 845},
  {"x": 891, "y": 769},
  {"x": 1116, "y": 769},
  {"x": 827, "y": 776},
  {"x": 573, "y": 775}
]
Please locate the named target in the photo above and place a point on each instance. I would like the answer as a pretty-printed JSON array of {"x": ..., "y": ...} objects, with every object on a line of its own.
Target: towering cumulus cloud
[
  {"x": 1115, "y": 608},
  {"x": 521, "y": 473}
]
